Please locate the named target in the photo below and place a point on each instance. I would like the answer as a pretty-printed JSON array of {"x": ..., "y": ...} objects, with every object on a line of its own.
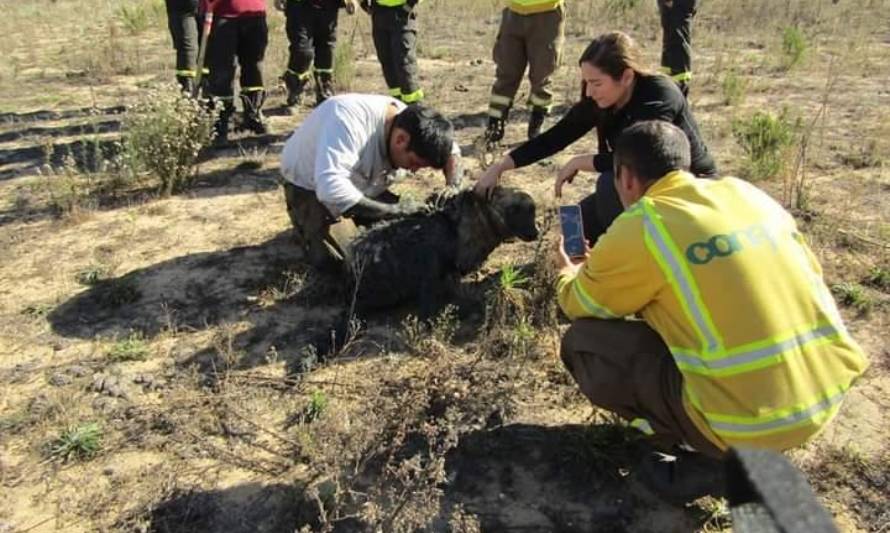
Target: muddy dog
[{"x": 421, "y": 258}]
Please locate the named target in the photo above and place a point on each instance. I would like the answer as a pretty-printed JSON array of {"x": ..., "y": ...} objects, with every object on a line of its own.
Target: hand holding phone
[{"x": 572, "y": 230}]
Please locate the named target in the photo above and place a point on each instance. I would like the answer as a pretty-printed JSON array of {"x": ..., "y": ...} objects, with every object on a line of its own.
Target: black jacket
[{"x": 654, "y": 98}]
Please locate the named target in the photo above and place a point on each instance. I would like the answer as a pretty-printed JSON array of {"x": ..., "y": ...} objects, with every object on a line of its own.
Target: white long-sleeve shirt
[{"x": 340, "y": 151}]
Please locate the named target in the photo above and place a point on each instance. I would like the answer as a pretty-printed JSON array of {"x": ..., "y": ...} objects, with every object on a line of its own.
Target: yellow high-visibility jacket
[
  {"x": 529, "y": 7},
  {"x": 393, "y": 3},
  {"x": 720, "y": 271}
]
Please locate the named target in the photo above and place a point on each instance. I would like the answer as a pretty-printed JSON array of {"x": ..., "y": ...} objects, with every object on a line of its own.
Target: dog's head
[
  {"x": 513, "y": 211},
  {"x": 484, "y": 224}
]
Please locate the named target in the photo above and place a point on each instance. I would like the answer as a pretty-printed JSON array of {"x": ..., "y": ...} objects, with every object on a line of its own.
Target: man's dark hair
[
  {"x": 651, "y": 149},
  {"x": 431, "y": 133}
]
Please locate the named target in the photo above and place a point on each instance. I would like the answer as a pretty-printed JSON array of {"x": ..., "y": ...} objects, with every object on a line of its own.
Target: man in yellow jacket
[
  {"x": 740, "y": 342},
  {"x": 531, "y": 35}
]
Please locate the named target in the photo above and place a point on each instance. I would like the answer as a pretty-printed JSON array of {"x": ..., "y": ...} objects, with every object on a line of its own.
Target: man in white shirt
[{"x": 339, "y": 164}]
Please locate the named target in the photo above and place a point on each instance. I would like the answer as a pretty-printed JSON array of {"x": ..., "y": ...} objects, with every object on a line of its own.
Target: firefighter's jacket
[
  {"x": 720, "y": 271},
  {"x": 529, "y": 7}
]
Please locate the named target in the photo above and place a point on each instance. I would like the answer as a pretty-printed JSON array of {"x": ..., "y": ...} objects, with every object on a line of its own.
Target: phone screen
[{"x": 572, "y": 230}]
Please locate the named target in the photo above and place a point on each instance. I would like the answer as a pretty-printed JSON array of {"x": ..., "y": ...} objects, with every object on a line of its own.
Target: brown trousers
[
  {"x": 527, "y": 40},
  {"x": 625, "y": 367},
  {"x": 324, "y": 238}
]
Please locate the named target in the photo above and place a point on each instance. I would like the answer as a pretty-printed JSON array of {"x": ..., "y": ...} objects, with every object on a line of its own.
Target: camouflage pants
[
  {"x": 533, "y": 41},
  {"x": 324, "y": 239}
]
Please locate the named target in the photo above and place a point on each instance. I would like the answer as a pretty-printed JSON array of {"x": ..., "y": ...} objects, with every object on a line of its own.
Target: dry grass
[{"x": 214, "y": 418}]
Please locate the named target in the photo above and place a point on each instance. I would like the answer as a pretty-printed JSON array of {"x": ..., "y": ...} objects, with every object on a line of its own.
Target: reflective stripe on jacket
[
  {"x": 528, "y": 7},
  {"x": 393, "y": 3},
  {"x": 720, "y": 271}
]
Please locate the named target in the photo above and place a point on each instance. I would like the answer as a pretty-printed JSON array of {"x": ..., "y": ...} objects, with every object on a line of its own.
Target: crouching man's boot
[
  {"x": 324, "y": 86},
  {"x": 221, "y": 127},
  {"x": 253, "y": 112},
  {"x": 536, "y": 121},
  {"x": 295, "y": 84},
  {"x": 681, "y": 477}
]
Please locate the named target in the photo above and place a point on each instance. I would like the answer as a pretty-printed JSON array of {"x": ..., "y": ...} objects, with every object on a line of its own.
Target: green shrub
[
  {"x": 765, "y": 139},
  {"x": 82, "y": 442},
  {"x": 164, "y": 133},
  {"x": 137, "y": 17},
  {"x": 794, "y": 46}
]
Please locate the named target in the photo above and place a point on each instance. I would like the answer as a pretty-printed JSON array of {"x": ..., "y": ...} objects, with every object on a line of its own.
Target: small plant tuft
[
  {"x": 734, "y": 87},
  {"x": 317, "y": 405},
  {"x": 621, "y": 7},
  {"x": 766, "y": 139},
  {"x": 853, "y": 295},
  {"x": 794, "y": 46},
  {"x": 92, "y": 275},
  {"x": 165, "y": 131},
  {"x": 78, "y": 443},
  {"x": 135, "y": 17},
  {"x": 133, "y": 348},
  {"x": 879, "y": 278}
]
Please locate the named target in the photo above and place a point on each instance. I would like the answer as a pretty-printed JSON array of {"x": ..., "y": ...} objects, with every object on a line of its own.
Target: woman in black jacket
[{"x": 618, "y": 92}]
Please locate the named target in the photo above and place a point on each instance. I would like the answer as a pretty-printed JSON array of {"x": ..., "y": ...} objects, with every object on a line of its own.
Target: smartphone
[{"x": 572, "y": 230}]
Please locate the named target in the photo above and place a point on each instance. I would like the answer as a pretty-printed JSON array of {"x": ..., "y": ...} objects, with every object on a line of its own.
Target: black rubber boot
[
  {"x": 253, "y": 120},
  {"x": 324, "y": 86},
  {"x": 684, "y": 88},
  {"x": 295, "y": 86},
  {"x": 186, "y": 84},
  {"x": 221, "y": 127},
  {"x": 536, "y": 121},
  {"x": 681, "y": 477}
]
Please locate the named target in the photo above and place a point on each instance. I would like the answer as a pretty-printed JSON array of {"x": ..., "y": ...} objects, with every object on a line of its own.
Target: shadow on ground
[
  {"x": 244, "y": 508},
  {"x": 518, "y": 477},
  {"x": 525, "y": 477},
  {"x": 194, "y": 291}
]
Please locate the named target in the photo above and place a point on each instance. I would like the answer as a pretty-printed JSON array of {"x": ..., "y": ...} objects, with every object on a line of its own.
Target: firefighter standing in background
[
  {"x": 312, "y": 32},
  {"x": 394, "y": 27},
  {"x": 676, "y": 45},
  {"x": 531, "y": 34},
  {"x": 239, "y": 33},
  {"x": 182, "y": 19}
]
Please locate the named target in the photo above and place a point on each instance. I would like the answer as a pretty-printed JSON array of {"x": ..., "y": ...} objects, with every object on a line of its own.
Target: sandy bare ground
[{"x": 223, "y": 424}]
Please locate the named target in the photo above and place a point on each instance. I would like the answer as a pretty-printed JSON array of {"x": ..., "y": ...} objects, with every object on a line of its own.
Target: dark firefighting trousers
[
  {"x": 624, "y": 366},
  {"x": 185, "y": 28},
  {"x": 395, "y": 39},
  {"x": 244, "y": 39},
  {"x": 676, "y": 45},
  {"x": 312, "y": 32},
  {"x": 526, "y": 40}
]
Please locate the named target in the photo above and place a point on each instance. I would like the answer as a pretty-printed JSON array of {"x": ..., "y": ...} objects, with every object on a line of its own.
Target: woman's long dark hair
[{"x": 613, "y": 53}]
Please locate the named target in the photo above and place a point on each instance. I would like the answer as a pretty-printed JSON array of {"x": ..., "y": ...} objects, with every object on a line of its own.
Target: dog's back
[{"x": 408, "y": 259}]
